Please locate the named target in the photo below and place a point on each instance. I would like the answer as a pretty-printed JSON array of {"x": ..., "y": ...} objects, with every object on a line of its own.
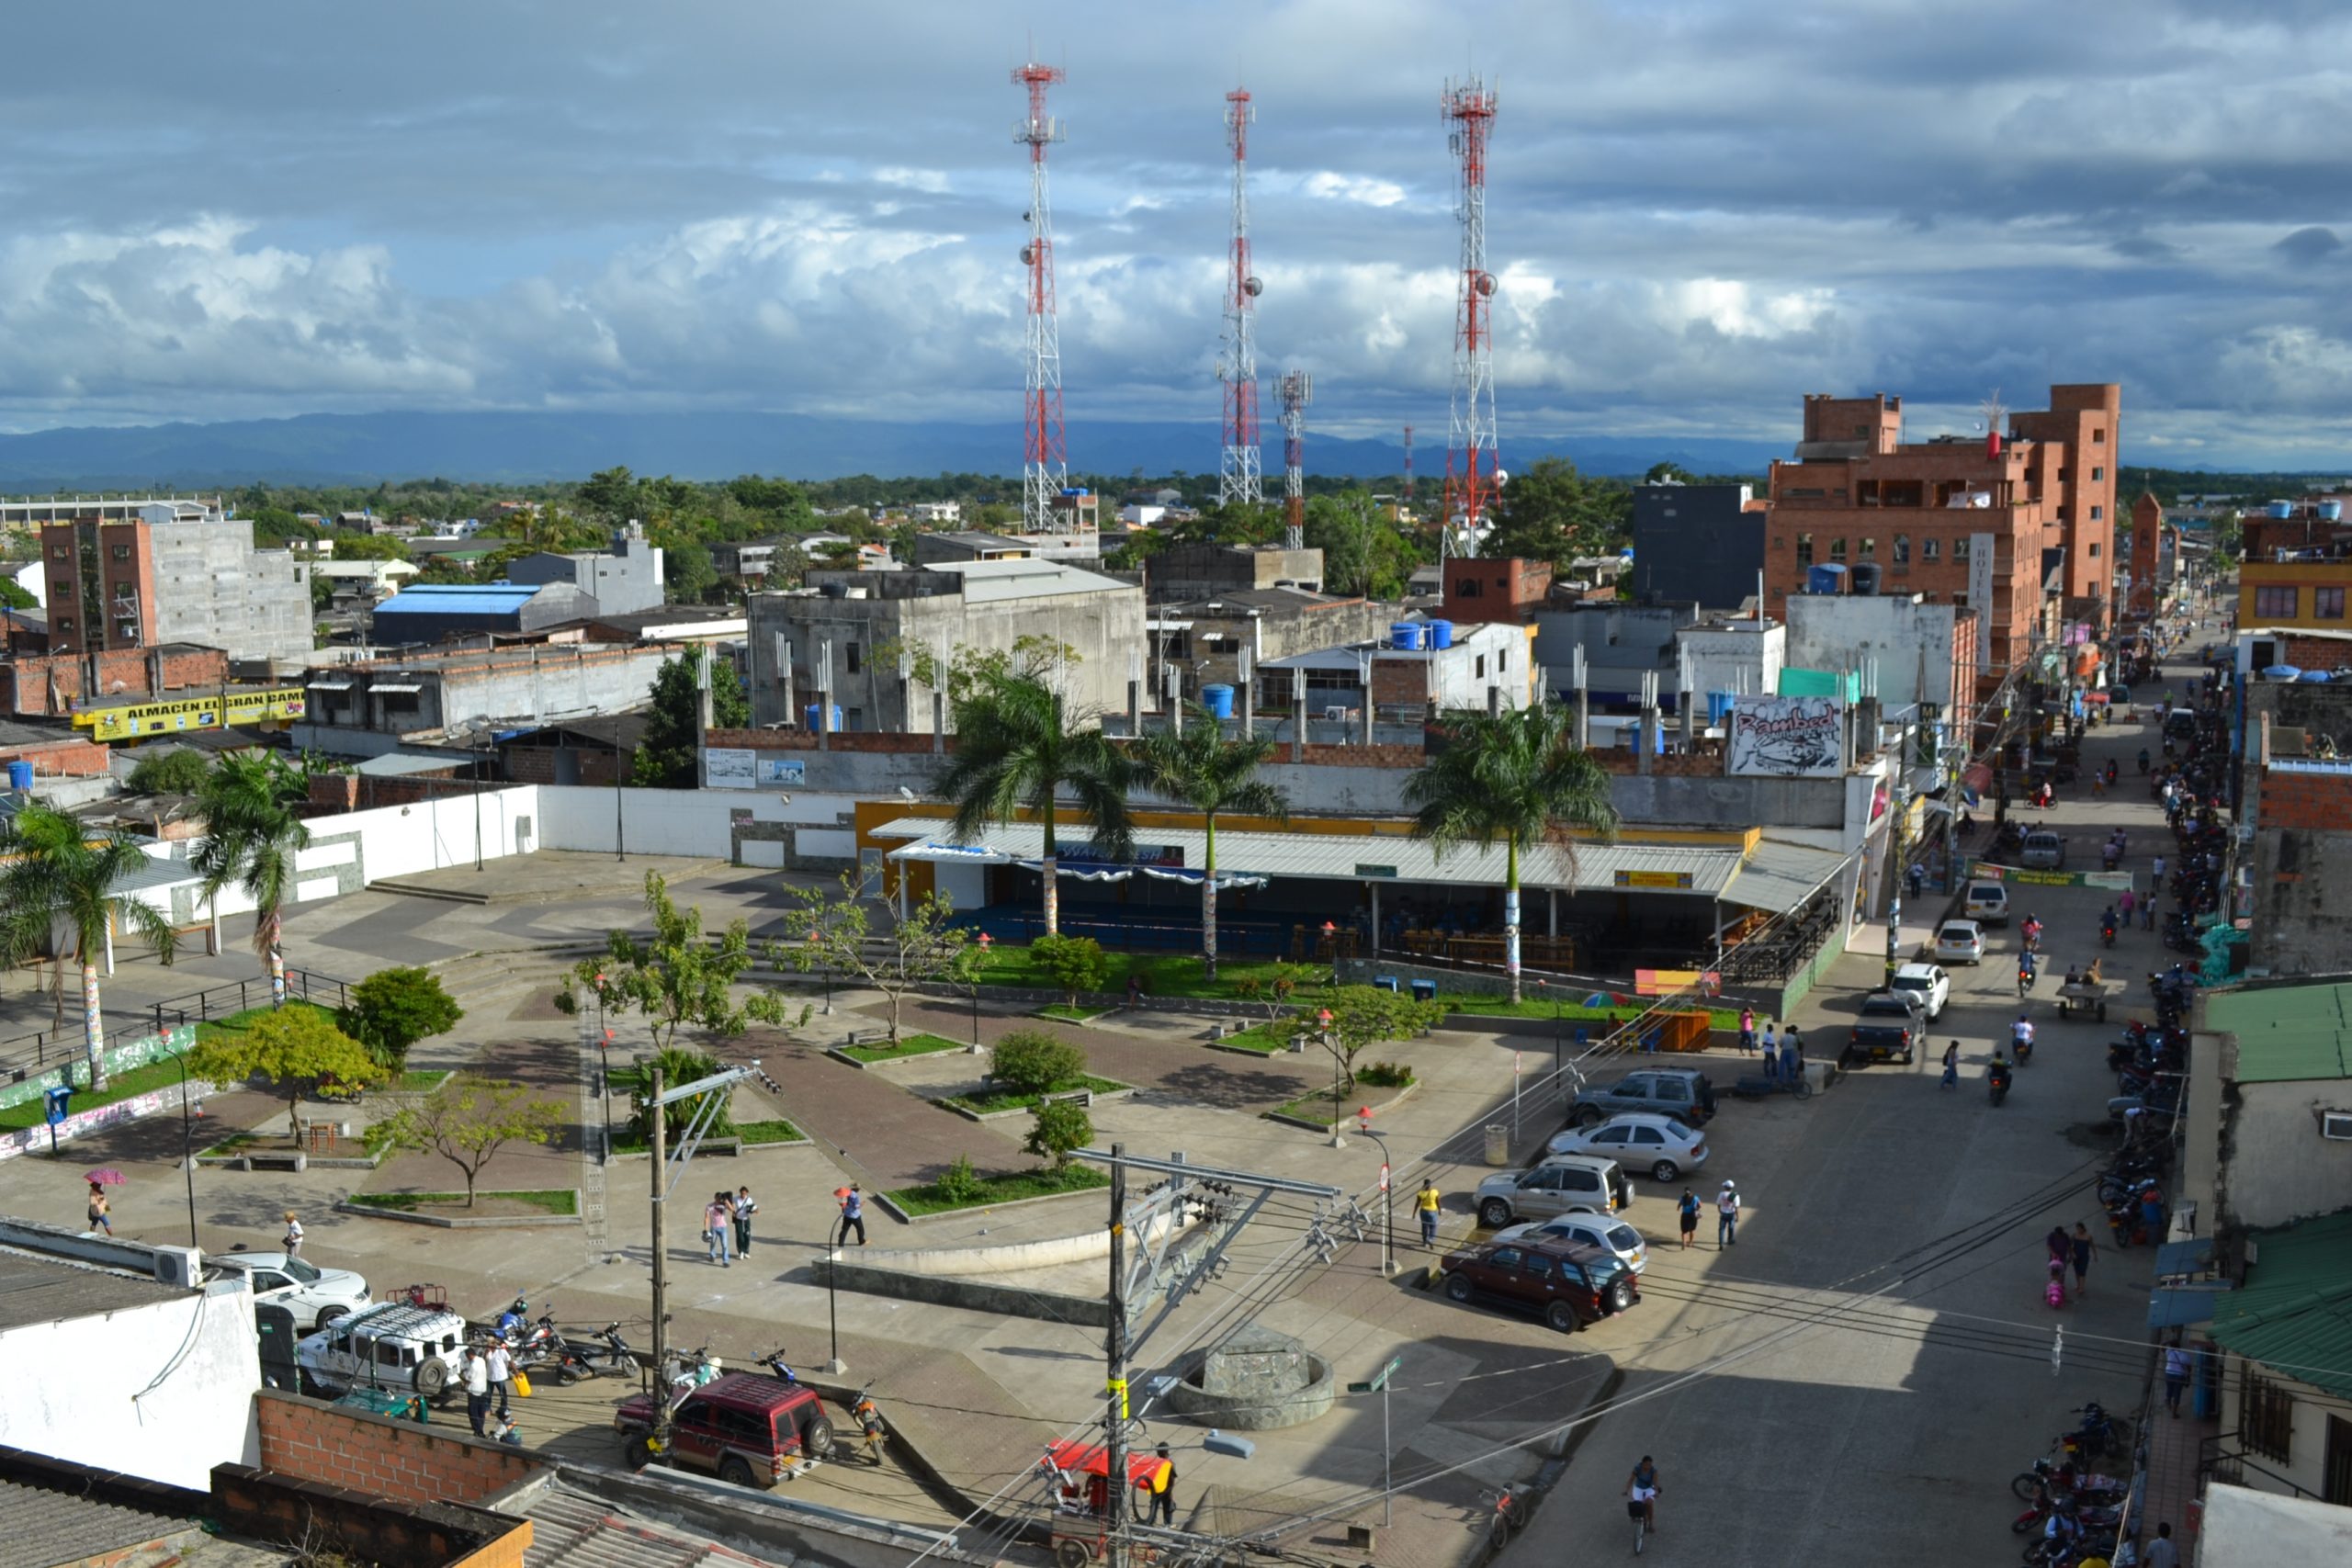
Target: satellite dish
[
  {"x": 1028, "y": 255},
  {"x": 1486, "y": 284},
  {"x": 1253, "y": 287},
  {"x": 1502, "y": 478}
]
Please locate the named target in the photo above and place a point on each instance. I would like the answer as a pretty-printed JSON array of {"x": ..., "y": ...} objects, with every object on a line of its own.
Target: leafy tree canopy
[
  {"x": 666, "y": 756},
  {"x": 393, "y": 1009},
  {"x": 182, "y": 771},
  {"x": 290, "y": 1047}
]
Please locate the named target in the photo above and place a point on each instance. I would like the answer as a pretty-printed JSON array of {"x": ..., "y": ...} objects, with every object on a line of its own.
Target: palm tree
[
  {"x": 1018, "y": 746},
  {"x": 1518, "y": 777},
  {"x": 1198, "y": 766},
  {"x": 58, "y": 872},
  {"x": 251, "y": 838}
]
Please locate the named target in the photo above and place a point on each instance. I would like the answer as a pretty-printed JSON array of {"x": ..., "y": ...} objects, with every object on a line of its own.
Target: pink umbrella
[{"x": 109, "y": 1177}]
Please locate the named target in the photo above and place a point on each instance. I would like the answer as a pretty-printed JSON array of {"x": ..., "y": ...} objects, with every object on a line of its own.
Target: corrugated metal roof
[
  {"x": 155, "y": 873},
  {"x": 1779, "y": 877},
  {"x": 40, "y": 1529},
  {"x": 457, "y": 598},
  {"x": 571, "y": 1529},
  {"x": 394, "y": 764},
  {"x": 2286, "y": 1034},
  {"x": 35, "y": 1289},
  {"x": 2294, "y": 1312},
  {"x": 1340, "y": 857}
]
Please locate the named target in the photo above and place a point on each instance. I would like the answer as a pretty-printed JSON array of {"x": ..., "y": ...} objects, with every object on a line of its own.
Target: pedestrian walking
[
  {"x": 1426, "y": 1203},
  {"x": 100, "y": 1210},
  {"x": 2148, "y": 913},
  {"x": 1163, "y": 1495},
  {"x": 2124, "y": 905},
  {"x": 477, "y": 1376},
  {"x": 1951, "y": 1066},
  {"x": 293, "y": 1241},
  {"x": 501, "y": 1368},
  {"x": 853, "y": 1214},
  {"x": 2085, "y": 1249},
  {"x": 743, "y": 1211},
  {"x": 2058, "y": 1245},
  {"x": 2177, "y": 1368},
  {"x": 1688, "y": 1209},
  {"x": 717, "y": 1228},
  {"x": 1747, "y": 1030},
  {"x": 1792, "y": 1055},
  {"x": 2161, "y": 1553},
  {"x": 1727, "y": 1215}
]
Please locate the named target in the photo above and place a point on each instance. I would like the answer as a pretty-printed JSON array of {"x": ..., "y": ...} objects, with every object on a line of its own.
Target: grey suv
[
  {"x": 1683, "y": 1093},
  {"x": 1553, "y": 1185}
]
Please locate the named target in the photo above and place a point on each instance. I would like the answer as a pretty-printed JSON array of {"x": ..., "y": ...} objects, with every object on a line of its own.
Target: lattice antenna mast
[
  {"x": 1471, "y": 470},
  {"x": 1045, "y": 464},
  {"x": 1296, "y": 390},
  {"x": 1240, "y": 477},
  {"x": 1408, "y": 466}
]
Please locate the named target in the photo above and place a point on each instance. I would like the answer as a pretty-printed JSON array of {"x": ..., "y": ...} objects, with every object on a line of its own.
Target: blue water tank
[
  {"x": 1406, "y": 635},
  {"x": 20, "y": 776},
  {"x": 2280, "y": 510},
  {"x": 1440, "y": 634},
  {"x": 1218, "y": 700},
  {"x": 1825, "y": 580},
  {"x": 813, "y": 718},
  {"x": 2331, "y": 512},
  {"x": 1718, "y": 704}
]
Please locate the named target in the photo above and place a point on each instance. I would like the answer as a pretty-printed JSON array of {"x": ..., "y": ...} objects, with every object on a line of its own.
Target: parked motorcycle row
[
  {"x": 537, "y": 1346},
  {"x": 2072, "y": 1514}
]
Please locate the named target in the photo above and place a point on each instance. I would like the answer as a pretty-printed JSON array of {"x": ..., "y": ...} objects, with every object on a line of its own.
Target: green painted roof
[
  {"x": 2294, "y": 1312},
  {"x": 2286, "y": 1034}
]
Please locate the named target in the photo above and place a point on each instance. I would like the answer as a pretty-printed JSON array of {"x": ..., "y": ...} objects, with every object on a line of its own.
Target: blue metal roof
[{"x": 456, "y": 599}]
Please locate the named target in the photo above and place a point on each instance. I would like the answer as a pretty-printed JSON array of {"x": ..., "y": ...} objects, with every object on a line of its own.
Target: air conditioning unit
[
  {"x": 2335, "y": 1124},
  {"x": 180, "y": 1266},
  {"x": 1336, "y": 715}
]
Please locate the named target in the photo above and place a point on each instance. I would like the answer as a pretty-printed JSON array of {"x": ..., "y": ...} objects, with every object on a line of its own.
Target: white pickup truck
[{"x": 407, "y": 1349}]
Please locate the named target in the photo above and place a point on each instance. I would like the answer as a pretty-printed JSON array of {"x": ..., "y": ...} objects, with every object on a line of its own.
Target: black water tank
[{"x": 1864, "y": 577}]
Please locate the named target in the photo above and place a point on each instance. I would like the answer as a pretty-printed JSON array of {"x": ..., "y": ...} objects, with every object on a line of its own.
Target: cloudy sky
[{"x": 1700, "y": 209}]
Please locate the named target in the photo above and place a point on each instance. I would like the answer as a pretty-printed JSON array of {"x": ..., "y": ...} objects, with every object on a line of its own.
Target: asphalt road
[{"x": 1795, "y": 1416}]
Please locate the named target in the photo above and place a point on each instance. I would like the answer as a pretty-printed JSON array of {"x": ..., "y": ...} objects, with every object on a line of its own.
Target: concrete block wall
[
  {"x": 309, "y": 1439},
  {"x": 352, "y": 1525},
  {"x": 122, "y": 674}
]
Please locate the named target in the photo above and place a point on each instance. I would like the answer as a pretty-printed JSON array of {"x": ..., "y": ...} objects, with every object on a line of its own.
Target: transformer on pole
[
  {"x": 1240, "y": 477},
  {"x": 1296, "y": 390},
  {"x": 1472, "y": 475},
  {"x": 1045, "y": 462}
]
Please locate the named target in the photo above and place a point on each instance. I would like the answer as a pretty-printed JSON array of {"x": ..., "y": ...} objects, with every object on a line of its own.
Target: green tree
[
  {"x": 689, "y": 574},
  {"x": 611, "y": 495},
  {"x": 680, "y": 976},
  {"x": 1018, "y": 746},
  {"x": 1057, "y": 1130},
  {"x": 15, "y": 595},
  {"x": 56, "y": 873},
  {"x": 251, "y": 838},
  {"x": 1518, "y": 778},
  {"x": 290, "y": 1047},
  {"x": 178, "y": 771},
  {"x": 1363, "y": 554},
  {"x": 1549, "y": 512},
  {"x": 680, "y": 1066},
  {"x": 393, "y": 1009},
  {"x": 368, "y": 546},
  {"x": 468, "y": 1119},
  {"x": 1031, "y": 1061},
  {"x": 836, "y": 934},
  {"x": 1200, "y": 768},
  {"x": 667, "y": 756},
  {"x": 1076, "y": 963},
  {"x": 1366, "y": 1015},
  {"x": 1661, "y": 472}
]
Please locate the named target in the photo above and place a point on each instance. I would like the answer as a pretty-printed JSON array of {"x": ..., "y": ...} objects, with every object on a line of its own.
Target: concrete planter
[
  {"x": 1100, "y": 1194},
  {"x": 731, "y": 1147},
  {"x": 501, "y": 1222},
  {"x": 1121, "y": 1093},
  {"x": 1396, "y": 1096}
]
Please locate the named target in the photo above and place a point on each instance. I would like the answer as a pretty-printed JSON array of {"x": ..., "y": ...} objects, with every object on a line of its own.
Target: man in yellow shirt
[{"x": 1427, "y": 1200}]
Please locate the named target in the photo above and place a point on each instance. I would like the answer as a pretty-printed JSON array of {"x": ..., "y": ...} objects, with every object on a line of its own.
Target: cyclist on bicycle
[{"x": 1641, "y": 1493}]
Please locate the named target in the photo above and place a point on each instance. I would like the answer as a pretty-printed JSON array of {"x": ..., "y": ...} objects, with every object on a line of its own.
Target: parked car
[
  {"x": 1684, "y": 1093},
  {"x": 1615, "y": 1237},
  {"x": 1553, "y": 1185},
  {"x": 314, "y": 1295},
  {"x": 1930, "y": 986},
  {"x": 1877, "y": 1039},
  {"x": 1960, "y": 942},
  {"x": 1659, "y": 1145},
  {"x": 390, "y": 1345},
  {"x": 1901, "y": 1006},
  {"x": 2044, "y": 851},
  {"x": 747, "y": 1430},
  {"x": 1567, "y": 1284},
  {"x": 1987, "y": 904}
]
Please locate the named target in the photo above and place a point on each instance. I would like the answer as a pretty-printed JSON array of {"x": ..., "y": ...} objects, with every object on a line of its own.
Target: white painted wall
[
  {"x": 965, "y": 886},
  {"x": 162, "y": 1391}
]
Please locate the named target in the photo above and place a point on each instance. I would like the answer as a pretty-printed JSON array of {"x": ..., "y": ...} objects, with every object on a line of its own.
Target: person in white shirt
[
  {"x": 502, "y": 1373},
  {"x": 293, "y": 1239},
  {"x": 477, "y": 1390},
  {"x": 1727, "y": 1215}
]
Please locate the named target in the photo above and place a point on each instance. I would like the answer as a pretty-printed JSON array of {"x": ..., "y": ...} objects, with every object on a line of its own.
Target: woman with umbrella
[{"x": 101, "y": 1212}]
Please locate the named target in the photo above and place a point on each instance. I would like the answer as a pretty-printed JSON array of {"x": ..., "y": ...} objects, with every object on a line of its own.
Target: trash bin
[
  {"x": 1425, "y": 991},
  {"x": 1497, "y": 1143},
  {"x": 1383, "y": 982}
]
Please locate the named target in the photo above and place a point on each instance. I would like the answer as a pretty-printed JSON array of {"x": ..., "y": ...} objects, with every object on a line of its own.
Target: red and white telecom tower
[
  {"x": 1295, "y": 390},
  {"x": 1240, "y": 476},
  {"x": 1045, "y": 458},
  {"x": 1472, "y": 473}
]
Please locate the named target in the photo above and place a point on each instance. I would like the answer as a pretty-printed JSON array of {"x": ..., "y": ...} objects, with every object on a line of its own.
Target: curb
[
  {"x": 502, "y": 1222},
  {"x": 839, "y": 1054},
  {"x": 730, "y": 1147},
  {"x": 1120, "y": 1093},
  {"x": 905, "y": 1219}
]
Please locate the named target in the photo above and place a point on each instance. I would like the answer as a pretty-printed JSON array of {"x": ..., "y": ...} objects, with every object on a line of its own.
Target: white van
[{"x": 1988, "y": 904}]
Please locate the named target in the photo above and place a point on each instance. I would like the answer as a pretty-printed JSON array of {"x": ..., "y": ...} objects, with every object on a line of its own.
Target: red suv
[
  {"x": 744, "y": 1429},
  {"x": 1569, "y": 1283}
]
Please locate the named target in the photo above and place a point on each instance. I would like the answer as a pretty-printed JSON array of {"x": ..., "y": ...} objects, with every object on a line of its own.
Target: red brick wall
[
  {"x": 73, "y": 758},
  {"x": 2318, "y": 652},
  {"x": 2308, "y": 802},
  {"x": 806, "y": 740},
  {"x": 122, "y": 677},
  {"x": 401, "y": 1461}
]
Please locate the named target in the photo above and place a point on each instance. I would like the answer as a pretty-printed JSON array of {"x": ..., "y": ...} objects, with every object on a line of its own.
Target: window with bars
[
  {"x": 2266, "y": 1416},
  {"x": 2276, "y": 600}
]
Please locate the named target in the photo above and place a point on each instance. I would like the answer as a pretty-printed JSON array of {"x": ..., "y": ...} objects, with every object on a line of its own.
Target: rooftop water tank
[
  {"x": 2331, "y": 511},
  {"x": 1440, "y": 634},
  {"x": 814, "y": 720},
  {"x": 1825, "y": 580},
  {"x": 1865, "y": 576},
  {"x": 2280, "y": 510},
  {"x": 1218, "y": 700},
  {"x": 1406, "y": 635}
]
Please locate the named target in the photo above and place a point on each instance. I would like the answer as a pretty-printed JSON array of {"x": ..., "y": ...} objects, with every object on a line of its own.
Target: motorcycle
[
  {"x": 2044, "y": 1478},
  {"x": 773, "y": 1361},
  {"x": 515, "y": 1318},
  {"x": 610, "y": 1352},
  {"x": 2106, "y": 932},
  {"x": 2098, "y": 1433},
  {"x": 1997, "y": 1085}
]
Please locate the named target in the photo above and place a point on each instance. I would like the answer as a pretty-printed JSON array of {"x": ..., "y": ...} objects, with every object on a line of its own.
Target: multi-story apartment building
[
  {"x": 172, "y": 574},
  {"x": 2022, "y": 530}
]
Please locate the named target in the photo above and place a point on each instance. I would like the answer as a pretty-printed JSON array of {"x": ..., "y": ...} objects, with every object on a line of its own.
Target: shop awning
[{"x": 2178, "y": 1306}]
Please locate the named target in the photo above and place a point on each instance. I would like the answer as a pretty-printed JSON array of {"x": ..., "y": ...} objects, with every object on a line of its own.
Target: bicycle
[
  {"x": 1504, "y": 1511},
  {"x": 1639, "y": 1510}
]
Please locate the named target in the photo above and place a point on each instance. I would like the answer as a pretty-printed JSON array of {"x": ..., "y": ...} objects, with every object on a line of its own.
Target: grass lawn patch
[
  {"x": 1314, "y": 1106},
  {"x": 757, "y": 1133},
  {"x": 238, "y": 1022},
  {"x": 165, "y": 1074},
  {"x": 413, "y": 1082},
  {"x": 909, "y": 1045},
  {"x": 564, "y": 1201},
  {"x": 1265, "y": 1039},
  {"x": 236, "y": 1142},
  {"x": 981, "y": 1104},
  {"x": 1073, "y": 1015},
  {"x": 1042, "y": 1183}
]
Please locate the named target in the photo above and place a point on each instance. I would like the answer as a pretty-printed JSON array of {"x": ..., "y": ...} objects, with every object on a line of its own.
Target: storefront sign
[
  {"x": 1167, "y": 856},
  {"x": 727, "y": 768},
  {"x": 1980, "y": 595},
  {"x": 1364, "y": 869},
  {"x": 1675, "y": 879},
  {"x": 2113, "y": 881},
  {"x": 1786, "y": 736},
  {"x": 776, "y": 771},
  {"x": 1672, "y": 982}
]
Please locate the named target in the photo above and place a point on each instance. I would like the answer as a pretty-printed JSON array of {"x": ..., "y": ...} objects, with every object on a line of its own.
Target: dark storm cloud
[{"x": 1699, "y": 212}]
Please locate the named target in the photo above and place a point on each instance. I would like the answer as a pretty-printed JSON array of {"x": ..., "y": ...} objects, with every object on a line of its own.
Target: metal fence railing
[{"x": 25, "y": 1055}]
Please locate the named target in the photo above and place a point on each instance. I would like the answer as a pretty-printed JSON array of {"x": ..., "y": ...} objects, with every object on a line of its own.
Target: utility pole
[
  {"x": 1114, "y": 1346},
  {"x": 658, "y": 1164}
]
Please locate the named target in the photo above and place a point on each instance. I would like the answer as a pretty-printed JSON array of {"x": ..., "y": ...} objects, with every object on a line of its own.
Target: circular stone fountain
[{"x": 1253, "y": 1380}]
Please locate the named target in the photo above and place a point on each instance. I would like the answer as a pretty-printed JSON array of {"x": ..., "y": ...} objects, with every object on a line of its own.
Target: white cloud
[
  {"x": 1357, "y": 189},
  {"x": 930, "y": 182}
]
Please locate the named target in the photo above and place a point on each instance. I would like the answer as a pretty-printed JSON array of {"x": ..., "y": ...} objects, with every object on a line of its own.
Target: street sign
[{"x": 1379, "y": 1379}]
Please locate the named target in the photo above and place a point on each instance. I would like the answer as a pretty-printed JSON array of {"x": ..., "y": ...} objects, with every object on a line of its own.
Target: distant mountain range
[{"x": 520, "y": 449}]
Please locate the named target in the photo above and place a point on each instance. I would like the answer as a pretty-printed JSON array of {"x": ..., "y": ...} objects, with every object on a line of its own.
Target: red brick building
[
  {"x": 1920, "y": 513},
  {"x": 1507, "y": 590}
]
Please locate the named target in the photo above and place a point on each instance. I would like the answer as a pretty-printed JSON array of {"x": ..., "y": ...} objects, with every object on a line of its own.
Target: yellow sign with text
[
  {"x": 270, "y": 704},
  {"x": 1653, "y": 879}
]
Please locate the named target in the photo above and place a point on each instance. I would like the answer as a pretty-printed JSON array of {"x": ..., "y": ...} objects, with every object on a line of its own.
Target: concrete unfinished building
[{"x": 141, "y": 582}]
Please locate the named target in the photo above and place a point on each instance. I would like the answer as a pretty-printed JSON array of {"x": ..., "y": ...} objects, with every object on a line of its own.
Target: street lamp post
[
  {"x": 187, "y": 1149},
  {"x": 1387, "y": 1198},
  {"x": 985, "y": 940},
  {"x": 1323, "y": 1025}
]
